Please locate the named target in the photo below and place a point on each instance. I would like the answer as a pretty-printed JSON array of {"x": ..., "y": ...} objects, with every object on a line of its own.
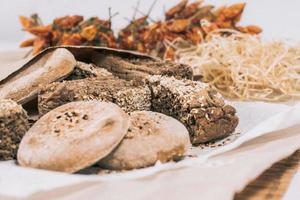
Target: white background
[{"x": 278, "y": 18}]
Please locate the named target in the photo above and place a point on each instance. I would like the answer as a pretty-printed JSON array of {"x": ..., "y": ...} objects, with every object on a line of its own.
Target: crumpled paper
[{"x": 269, "y": 132}]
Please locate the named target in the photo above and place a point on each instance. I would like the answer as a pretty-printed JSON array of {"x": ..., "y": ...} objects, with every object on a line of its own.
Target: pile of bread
[{"x": 71, "y": 108}]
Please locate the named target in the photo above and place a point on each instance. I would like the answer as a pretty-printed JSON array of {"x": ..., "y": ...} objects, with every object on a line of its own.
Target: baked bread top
[
  {"x": 73, "y": 136},
  {"x": 151, "y": 137}
]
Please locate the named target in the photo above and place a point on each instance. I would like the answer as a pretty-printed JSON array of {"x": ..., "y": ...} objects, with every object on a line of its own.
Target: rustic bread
[
  {"x": 151, "y": 137},
  {"x": 199, "y": 107},
  {"x": 73, "y": 136},
  {"x": 112, "y": 89},
  {"x": 13, "y": 125},
  {"x": 24, "y": 85},
  {"x": 137, "y": 69}
]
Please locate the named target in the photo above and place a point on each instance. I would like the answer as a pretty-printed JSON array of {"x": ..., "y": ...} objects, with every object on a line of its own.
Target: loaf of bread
[
  {"x": 115, "y": 90},
  {"x": 13, "y": 126},
  {"x": 137, "y": 69},
  {"x": 200, "y": 108}
]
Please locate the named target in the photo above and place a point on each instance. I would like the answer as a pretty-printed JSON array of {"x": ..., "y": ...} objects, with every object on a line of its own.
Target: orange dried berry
[
  {"x": 176, "y": 9},
  {"x": 195, "y": 35},
  {"x": 27, "y": 43},
  {"x": 242, "y": 29},
  {"x": 26, "y": 22},
  {"x": 39, "y": 44},
  {"x": 130, "y": 39},
  {"x": 249, "y": 29},
  {"x": 252, "y": 29},
  {"x": 71, "y": 39},
  {"x": 148, "y": 34},
  {"x": 89, "y": 33},
  {"x": 190, "y": 9},
  {"x": 108, "y": 39},
  {"x": 233, "y": 11},
  {"x": 225, "y": 24},
  {"x": 219, "y": 11},
  {"x": 178, "y": 25},
  {"x": 40, "y": 30},
  {"x": 56, "y": 35},
  {"x": 204, "y": 12},
  {"x": 68, "y": 22}
]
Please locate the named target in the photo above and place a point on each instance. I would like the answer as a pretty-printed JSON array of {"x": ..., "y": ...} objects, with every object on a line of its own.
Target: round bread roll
[
  {"x": 73, "y": 136},
  {"x": 151, "y": 137}
]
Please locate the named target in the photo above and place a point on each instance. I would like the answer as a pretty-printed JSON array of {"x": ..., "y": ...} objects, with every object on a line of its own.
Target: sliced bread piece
[{"x": 24, "y": 85}]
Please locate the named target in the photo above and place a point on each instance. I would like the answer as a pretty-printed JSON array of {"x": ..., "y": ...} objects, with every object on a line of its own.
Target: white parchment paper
[{"x": 262, "y": 126}]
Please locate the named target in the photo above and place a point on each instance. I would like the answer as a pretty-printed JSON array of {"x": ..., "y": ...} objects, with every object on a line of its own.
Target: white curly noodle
[{"x": 242, "y": 66}]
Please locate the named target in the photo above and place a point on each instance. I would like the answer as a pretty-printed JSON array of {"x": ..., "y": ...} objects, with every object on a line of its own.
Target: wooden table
[{"x": 274, "y": 182}]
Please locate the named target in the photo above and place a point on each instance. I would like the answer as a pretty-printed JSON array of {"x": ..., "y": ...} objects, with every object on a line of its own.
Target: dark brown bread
[
  {"x": 115, "y": 90},
  {"x": 139, "y": 69},
  {"x": 13, "y": 126},
  {"x": 200, "y": 108}
]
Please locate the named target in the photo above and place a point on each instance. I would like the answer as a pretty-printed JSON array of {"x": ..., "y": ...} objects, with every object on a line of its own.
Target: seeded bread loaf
[
  {"x": 200, "y": 108},
  {"x": 115, "y": 90},
  {"x": 13, "y": 125}
]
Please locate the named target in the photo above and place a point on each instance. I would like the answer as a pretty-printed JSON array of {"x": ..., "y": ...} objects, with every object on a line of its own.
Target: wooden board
[{"x": 274, "y": 182}]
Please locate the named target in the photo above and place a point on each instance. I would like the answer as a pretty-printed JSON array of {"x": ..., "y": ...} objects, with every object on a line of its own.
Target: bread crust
[
  {"x": 84, "y": 70},
  {"x": 24, "y": 86}
]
